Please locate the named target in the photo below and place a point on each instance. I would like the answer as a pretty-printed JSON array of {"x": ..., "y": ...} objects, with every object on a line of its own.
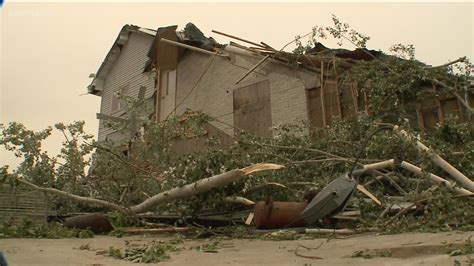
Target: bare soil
[{"x": 404, "y": 249}]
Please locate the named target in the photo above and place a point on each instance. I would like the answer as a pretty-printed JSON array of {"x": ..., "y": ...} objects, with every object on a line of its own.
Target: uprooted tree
[{"x": 141, "y": 174}]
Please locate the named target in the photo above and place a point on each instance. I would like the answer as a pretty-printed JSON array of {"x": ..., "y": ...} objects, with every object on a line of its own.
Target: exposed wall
[
  {"x": 127, "y": 71},
  {"x": 214, "y": 93}
]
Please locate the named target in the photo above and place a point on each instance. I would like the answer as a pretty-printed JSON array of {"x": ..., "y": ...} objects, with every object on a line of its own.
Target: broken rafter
[
  {"x": 237, "y": 38},
  {"x": 253, "y": 68},
  {"x": 191, "y": 47}
]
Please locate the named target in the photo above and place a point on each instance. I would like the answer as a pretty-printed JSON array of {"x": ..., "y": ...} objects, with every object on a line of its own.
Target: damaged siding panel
[
  {"x": 213, "y": 94},
  {"x": 127, "y": 71}
]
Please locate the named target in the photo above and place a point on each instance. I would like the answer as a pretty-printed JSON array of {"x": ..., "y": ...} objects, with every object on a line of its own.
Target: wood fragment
[
  {"x": 307, "y": 256},
  {"x": 240, "y": 200},
  {"x": 269, "y": 184},
  {"x": 139, "y": 231},
  {"x": 323, "y": 108},
  {"x": 334, "y": 231},
  {"x": 249, "y": 219},
  {"x": 402, "y": 211},
  {"x": 370, "y": 195},
  {"x": 380, "y": 165},
  {"x": 240, "y": 39},
  {"x": 338, "y": 94},
  {"x": 268, "y": 47}
]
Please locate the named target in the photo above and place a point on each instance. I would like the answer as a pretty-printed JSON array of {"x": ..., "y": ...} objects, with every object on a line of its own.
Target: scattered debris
[
  {"x": 331, "y": 200},
  {"x": 273, "y": 214},
  {"x": 152, "y": 231},
  {"x": 153, "y": 252}
]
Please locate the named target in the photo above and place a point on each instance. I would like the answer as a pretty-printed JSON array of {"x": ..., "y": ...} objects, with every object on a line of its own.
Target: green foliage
[
  {"x": 142, "y": 164},
  {"x": 370, "y": 254},
  {"x": 26, "y": 229},
  {"x": 340, "y": 31},
  {"x": 465, "y": 249},
  {"x": 152, "y": 252},
  {"x": 118, "y": 219},
  {"x": 393, "y": 83}
]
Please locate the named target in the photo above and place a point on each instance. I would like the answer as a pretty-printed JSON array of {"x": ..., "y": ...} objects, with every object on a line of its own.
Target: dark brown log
[{"x": 96, "y": 222}]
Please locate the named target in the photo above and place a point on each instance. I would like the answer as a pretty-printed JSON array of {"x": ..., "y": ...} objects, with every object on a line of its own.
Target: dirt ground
[{"x": 405, "y": 249}]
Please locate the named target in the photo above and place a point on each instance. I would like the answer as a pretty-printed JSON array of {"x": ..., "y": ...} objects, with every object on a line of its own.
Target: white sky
[{"x": 48, "y": 50}]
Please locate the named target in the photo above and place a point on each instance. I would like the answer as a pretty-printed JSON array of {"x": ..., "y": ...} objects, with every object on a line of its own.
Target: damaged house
[{"x": 249, "y": 88}]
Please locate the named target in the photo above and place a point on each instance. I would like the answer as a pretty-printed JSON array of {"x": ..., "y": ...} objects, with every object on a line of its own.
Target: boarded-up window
[
  {"x": 252, "y": 108},
  {"x": 318, "y": 116}
]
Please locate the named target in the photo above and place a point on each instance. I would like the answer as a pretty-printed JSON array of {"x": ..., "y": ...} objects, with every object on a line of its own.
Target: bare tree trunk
[
  {"x": 436, "y": 179},
  {"x": 455, "y": 173},
  {"x": 200, "y": 186}
]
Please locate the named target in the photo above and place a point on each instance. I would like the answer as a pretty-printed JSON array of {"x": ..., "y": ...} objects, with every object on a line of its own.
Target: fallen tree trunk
[
  {"x": 200, "y": 186},
  {"x": 455, "y": 173},
  {"x": 189, "y": 190}
]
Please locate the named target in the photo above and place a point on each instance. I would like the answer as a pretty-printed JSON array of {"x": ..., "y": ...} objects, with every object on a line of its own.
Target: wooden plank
[
  {"x": 165, "y": 56},
  {"x": 252, "y": 108},
  {"x": 348, "y": 101},
  {"x": 240, "y": 39},
  {"x": 331, "y": 102},
  {"x": 419, "y": 114},
  {"x": 314, "y": 107},
  {"x": 336, "y": 83},
  {"x": 323, "y": 110}
]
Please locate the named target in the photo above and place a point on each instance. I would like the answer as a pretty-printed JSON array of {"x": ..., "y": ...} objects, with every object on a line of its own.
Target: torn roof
[
  {"x": 192, "y": 36},
  {"x": 97, "y": 83},
  {"x": 311, "y": 60}
]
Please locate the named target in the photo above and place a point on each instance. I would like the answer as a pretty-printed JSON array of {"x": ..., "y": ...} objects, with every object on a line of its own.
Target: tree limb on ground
[
  {"x": 186, "y": 191},
  {"x": 463, "y": 180}
]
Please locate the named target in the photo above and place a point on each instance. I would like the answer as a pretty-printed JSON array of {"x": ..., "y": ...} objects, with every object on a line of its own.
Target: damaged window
[{"x": 117, "y": 101}]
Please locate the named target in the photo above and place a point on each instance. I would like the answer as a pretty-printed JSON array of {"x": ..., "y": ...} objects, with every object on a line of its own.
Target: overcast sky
[{"x": 48, "y": 50}]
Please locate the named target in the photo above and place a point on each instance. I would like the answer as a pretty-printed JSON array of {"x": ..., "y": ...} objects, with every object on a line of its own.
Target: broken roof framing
[{"x": 325, "y": 97}]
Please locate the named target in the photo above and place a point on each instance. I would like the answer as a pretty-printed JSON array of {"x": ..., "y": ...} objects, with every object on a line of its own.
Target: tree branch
[
  {"x": 460, "y": 59},
  {"x": 454, "y": 92},
  {"x": 80, "y": 199},
  {"x": 189, "y": 190}
]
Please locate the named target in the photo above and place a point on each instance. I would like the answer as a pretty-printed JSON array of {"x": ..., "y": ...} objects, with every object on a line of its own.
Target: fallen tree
[{"x": 189, "y": 190}]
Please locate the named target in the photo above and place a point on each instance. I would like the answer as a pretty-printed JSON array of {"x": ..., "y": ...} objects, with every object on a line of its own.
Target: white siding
[
  {"x": 214, "y": 93},
  {"x": 127, "y": 71}
]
